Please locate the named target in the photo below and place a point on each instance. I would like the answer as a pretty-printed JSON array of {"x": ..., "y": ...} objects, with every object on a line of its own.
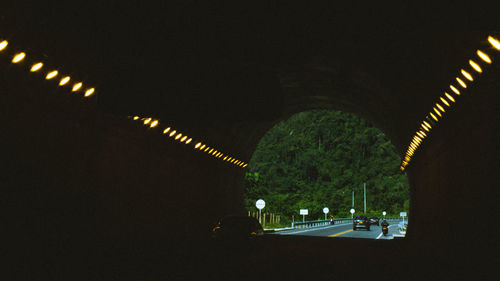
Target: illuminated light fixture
[
  {"x": 147, "y": 121},
  {"x": 51, "y": 74},
  {"x": 218, "y": 155},
  {"x": 407, "y": 158},
  {"x": 89, "y": 92},
  {"x": 420, "y": 134},
  {"x": 424, "y": 127},
  {"x": 462, "y": 83},
  {"x": 455, "y": 90},
  {"x": 197, "y": 145},
  {"x": 444, "y": 101},
  {"x": 76, "y": 87},
  {"x": 494, "y": 42},
  {"x": 401, "y": 168},
  {"x": 449, "y": 97},
  {"x": 184, "y": 138},
  {"x": 189, "y": 140},
  {"x": 210, "y": 150},
  {"x": 437, "y": 111},
  {"x": 475, "y": 66},
  {"x": 245, "y": 165},
  {"x": 3, "y": 45},
  {"x": 208, "y": 147},
  {"x": 179, "y": 135},
  {"x": 36, "y": 67},
  {"x": 229, "y": 159},
  {"x": 483, "y": 56},
  {"x": 467, "y": 75},
  {"x": 433, "y": 117},
  {"x": 203, "y": 146},
  {"x": 423, "y": 133},
  {"x": 225, "y": 157},
  {"x": 18, "y": 57},
  {"x": 440, "y": 107},
  {"x": 64, "y": 81},
  {"x": 172, "y": 133},
  {"x": 166, "y": 130},
  {"x": 427, "y": 124},
  {"x": 136, "y": 117},
  {"x": 154, "y": 124}
]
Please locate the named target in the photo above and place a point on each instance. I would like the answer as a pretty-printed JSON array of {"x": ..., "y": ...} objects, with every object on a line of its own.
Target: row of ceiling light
[
  {"x": 19, "y": 57},
  {"x": 36, "y": 67},
  {"x": 178, "y": 136},
  {"x": 446, "y": 100}
]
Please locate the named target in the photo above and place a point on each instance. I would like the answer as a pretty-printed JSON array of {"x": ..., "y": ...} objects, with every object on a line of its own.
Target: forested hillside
[{"x": 316, "y": 159}]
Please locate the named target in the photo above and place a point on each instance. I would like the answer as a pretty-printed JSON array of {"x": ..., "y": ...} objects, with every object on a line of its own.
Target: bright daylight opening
[{"x": 327, "y": 173}]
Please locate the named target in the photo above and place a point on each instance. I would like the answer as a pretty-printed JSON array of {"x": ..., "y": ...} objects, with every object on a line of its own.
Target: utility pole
[{"x": 364, "y": 191}]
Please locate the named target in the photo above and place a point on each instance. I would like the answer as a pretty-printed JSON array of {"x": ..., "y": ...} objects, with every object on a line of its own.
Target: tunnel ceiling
[{"x": 226, "y": 68}]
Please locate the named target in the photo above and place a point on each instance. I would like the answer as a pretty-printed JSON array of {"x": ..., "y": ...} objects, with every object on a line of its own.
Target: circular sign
[
  {"x": 260, "y": 204},
  {"x": 383, "y": 213},
  {"x": 352, "y": 211},
  {"x": 326, "y": 210}
]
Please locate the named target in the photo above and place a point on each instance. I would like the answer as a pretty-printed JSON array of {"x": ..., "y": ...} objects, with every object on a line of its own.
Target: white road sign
[
  {"x": 326, "y": 210},
  {"x": 260, "y": 204},
  {"x": 402, "y": 214},
  {"x": 352, "y": 211},
  {"x": 304, "y": 211}
]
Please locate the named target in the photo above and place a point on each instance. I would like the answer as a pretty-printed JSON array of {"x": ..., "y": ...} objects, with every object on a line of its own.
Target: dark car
[
  {"x": 360, "y": 222},
  {"x": 374, "y": 220},
  {"x": 237, "y": 227}
]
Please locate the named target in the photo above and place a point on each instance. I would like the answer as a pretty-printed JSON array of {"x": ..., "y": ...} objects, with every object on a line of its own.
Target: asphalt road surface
[{"x": 345, "y": 230}]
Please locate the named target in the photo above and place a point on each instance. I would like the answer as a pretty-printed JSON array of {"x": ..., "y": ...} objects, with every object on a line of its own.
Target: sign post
[
  {"x": 384, "y": 213},
  {"x": 326, "y": 210},
  {"x": 403, "y": 214},
  {"x": 260, "y": 204},
  {"x": 304, "y": 212}
]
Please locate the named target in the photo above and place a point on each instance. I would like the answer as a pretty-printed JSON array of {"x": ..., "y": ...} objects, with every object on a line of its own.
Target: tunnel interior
[{"x": 81, "y": 179}]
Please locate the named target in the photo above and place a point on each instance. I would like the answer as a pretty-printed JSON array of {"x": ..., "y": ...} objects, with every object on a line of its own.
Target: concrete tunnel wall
[{"x": 71, "y": 173}]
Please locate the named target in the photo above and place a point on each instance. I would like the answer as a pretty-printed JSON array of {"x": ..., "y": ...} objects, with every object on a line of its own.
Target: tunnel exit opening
[{"x": 327, "y": 173}]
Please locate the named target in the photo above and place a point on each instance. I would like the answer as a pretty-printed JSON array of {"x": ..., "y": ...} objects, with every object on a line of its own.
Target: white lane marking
[
  {"x": 317, "y": 228},
  {"x": 379, "y": 235}
]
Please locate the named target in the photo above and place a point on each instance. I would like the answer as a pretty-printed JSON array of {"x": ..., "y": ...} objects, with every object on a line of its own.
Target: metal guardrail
[{"x": 308, "y": 224}]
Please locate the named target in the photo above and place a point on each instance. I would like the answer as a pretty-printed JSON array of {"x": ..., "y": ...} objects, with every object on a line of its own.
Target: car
[
  {"x": 237, "y": 227},
  {"x": 360, "y": 222},
  {"x": 374, "y": 220}
]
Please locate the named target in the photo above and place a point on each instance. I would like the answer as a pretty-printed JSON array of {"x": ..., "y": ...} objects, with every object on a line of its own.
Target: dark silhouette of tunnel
[{"x": 82, "y": 183}]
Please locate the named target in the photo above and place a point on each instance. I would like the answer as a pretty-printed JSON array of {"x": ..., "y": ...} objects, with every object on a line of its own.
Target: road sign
[
  {"x": 260, "y": 204},
  {"x": 326, "y": 210},
  {"x": 352, "y": 211},
  {"x": 402, "y": 214},
  {"x": 304, "y": 211},
  {"x": 384, "y": 213}
]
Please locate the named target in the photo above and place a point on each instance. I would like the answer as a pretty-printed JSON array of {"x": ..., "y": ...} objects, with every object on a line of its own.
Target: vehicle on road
[
  {"x": 237, "y": 227},
  {"x": 360, "y": 222},
  {"x": 374, "y": 220}
]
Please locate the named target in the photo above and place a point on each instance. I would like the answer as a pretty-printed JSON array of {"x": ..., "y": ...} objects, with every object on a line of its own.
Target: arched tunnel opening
[
  {"x": 325, "y": 163},
  {"x": 88, "y": 191}
]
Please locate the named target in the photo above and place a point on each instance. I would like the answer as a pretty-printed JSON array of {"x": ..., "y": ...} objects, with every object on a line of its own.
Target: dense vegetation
[{"x": 316, "y": 159}]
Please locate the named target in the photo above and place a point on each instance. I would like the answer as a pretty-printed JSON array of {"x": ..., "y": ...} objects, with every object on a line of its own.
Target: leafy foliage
[{"x": 317, "y": 159}]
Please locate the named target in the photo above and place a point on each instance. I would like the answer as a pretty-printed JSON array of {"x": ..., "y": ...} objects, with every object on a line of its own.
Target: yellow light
[
  {"x": 417, "y": 139},
  {"x": 208, "y": 147},
  {"x": 229, "y": 159},
  {"x": 232, "y": 161},
  {"x": 197, "y": 145},
  {"x": 424, "y": 127},
  {"x": 77, "y": 87},
  {"x": 36, "y": 67},
  {"x": 494, "y": 42},
  {"x": 467, "y": 75},
  {"x": 3, "y": 45},
  {"x": 423, "y": 133},
  {"x": 401, "y": 168},
  {"x": 245, "y": 165},
  {"x": 136, "y": 117},
  {"x": 154, "y": 124},
  {"x": 437, "y": 111},
  {"x": 427, "y": 124},
  {"x": 475, "y": 66},
  {"x": 147, "y": 121},
  {"x": 420, "y": 134},
  {"x": 455, "y": 90},
  {"x": 18, "y": 57},
  {"x": 225, "y": 157},
  {"x": 184, "y": 138},
  {"x": 483, "y": 56},
  {"x": 449, "y": 97},
  {"x": 210, "y": 150},
  {"x": 51, "y": 74},
  {"x": 64, "y": 81},
  {"x": 461, "y": 83},
  {"x": 203, "y": 146},
  {"x": 215, "y": 152},
  {"x": 89, "y": 92},
  {"x": 433, "y": 117},
  {"x": 179, "y": 135},
  {"x": 440, "y": 107},
  {"x": 189, "y": 140},
  {"x": 172, "y": 133},
  {"x": 407, "y": 158},
  {"x": 444, "y": 101}
]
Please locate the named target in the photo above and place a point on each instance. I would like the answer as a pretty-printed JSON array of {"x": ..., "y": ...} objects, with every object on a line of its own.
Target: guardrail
[{"x": 316, "y": 223}]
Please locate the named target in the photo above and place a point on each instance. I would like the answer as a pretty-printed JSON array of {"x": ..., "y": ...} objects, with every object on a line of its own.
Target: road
[{"x": 344, "y": 230}]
